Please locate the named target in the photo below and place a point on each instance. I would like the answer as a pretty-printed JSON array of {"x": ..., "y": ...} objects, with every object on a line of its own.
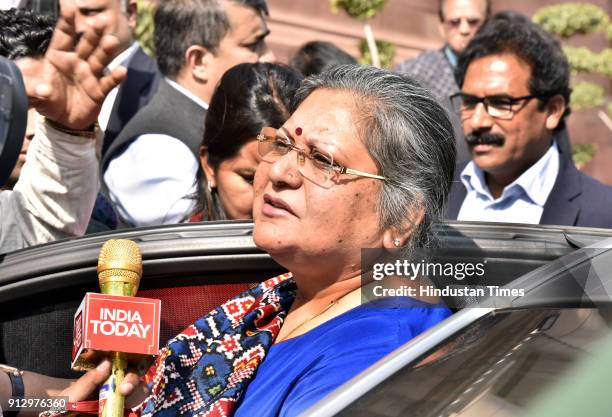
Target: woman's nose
[{"x": 286, "y": 169}]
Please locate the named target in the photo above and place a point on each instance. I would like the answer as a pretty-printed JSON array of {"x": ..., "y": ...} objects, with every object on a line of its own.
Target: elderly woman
[{"x": 365, "y": 161}]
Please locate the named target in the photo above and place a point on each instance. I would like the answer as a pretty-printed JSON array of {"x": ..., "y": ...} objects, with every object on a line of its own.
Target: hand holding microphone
[
  {"x": 116, "y": 322},
  {"x": 119, "y": 272}
]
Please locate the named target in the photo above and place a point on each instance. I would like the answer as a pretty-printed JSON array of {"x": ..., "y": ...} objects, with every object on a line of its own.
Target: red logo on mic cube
[{"x": 116, "y": 323}]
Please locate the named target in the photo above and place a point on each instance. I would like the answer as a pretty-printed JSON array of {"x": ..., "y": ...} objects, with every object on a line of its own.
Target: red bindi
[{"x": 298, "y": 131}]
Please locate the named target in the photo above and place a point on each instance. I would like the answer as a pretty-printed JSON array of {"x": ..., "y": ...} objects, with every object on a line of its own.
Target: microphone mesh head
[{"x": 120, "y": 258}]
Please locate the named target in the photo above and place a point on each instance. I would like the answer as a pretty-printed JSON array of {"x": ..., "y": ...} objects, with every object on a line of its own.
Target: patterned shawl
[{"x": 205, "y": 370}]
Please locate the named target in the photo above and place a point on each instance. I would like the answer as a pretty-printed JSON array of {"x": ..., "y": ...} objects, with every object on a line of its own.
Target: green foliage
[
  {"x": 586, "y": 95},
  {"x": 570, "y": 19},
  {"x": 583, "y": 153},
  {"x": 604, "y": 65},
  {"x": 610, "y": 110},
  {"x": 386, "y": 53},
  {"x": 583, "y": 60},
  {"x": 145, "y": 26},
  {"x": 609, "y": 31},
  {"x": 359, "y": 9}
]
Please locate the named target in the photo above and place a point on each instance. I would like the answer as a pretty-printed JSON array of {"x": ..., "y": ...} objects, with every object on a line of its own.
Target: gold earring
[{"x": 397, "y": 242}]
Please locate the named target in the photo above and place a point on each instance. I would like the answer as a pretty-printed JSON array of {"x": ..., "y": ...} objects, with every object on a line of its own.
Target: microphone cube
[{"x": 114, "y": 323}]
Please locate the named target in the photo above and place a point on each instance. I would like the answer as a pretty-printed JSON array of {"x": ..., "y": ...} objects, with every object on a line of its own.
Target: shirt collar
[
  {"x": 450, "y": 55},
  {"x": 537, "y": 182},
  {"x": 474, "y": 180},
  {"x": 188, "y": 93},
  {"x": 123, "y": 57}
]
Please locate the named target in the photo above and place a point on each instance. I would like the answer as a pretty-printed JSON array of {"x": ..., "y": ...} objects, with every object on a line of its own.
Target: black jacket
[
  {"x": 575, "y": 200},
  {"x": 134, "y": 93}
]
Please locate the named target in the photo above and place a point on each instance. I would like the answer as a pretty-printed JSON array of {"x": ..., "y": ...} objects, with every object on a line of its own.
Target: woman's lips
[{"x": 274, "y": 207}]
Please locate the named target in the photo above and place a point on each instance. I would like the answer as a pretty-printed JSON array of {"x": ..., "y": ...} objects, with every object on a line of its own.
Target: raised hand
[{"x": 69, "y": 84}]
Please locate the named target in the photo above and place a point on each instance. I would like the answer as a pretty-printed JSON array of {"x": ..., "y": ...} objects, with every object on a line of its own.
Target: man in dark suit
[
  {"x": 149, "y": 171},
  {"x": 514, "y": 97},
  {"x": 134, "y": 93}
]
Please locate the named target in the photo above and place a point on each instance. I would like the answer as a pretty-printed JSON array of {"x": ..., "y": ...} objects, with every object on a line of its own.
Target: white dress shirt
[
  {"x": 522, "y": 201},
  {"x": 150, "y": 180},
  {"x": 107, "y": 106}
]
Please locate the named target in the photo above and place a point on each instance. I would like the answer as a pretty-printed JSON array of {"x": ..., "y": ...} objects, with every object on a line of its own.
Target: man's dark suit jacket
[
  {"x": 575, "y": 200},
  {"x": 135, "y": 91}
]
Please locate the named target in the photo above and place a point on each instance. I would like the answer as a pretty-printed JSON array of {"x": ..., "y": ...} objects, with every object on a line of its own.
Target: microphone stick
[{"x": 119, "y": 272}]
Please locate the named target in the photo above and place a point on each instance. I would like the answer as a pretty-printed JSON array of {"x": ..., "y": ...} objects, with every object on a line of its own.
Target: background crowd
[
  {"x": 179, "y": 141},
  {"x": 326, "y": 155}
]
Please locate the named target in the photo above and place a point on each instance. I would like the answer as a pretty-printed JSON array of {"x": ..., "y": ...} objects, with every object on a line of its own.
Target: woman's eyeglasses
[{"x": 316, "y": 165}]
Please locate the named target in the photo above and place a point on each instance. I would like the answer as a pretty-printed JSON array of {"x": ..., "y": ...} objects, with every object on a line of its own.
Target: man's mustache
[{"x": 485, "y": 138}]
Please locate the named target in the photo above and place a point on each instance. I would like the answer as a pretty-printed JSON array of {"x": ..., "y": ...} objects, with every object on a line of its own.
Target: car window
[{"x": 499, "y": 364}]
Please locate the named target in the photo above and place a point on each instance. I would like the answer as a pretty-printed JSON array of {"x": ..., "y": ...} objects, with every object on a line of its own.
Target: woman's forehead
[
  {"x": 324, "y": 113},
  {"x": 329, "y": 119}
]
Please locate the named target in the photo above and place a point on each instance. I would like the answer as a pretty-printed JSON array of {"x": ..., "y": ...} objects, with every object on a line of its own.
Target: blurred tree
[
  {"x": 363, "y": 10},
  {"x": 145, "y": 26},
  {"x": 386, "y": 53},
  {"x": 586, "y": 95},
  {"x": 583, "y": 153},
  {"x": 570, "y": 19}
]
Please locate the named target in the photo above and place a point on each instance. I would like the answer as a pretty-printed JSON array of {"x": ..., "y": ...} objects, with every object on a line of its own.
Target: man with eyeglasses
[
  {"x": 514, "y": 96},
  {"x": 459, "y": 21}
]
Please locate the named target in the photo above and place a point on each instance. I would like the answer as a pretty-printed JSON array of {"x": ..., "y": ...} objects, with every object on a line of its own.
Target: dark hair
[
  {"x": 248, "y": 97},
  {"x": 180, "y": 24},
  {"x": 511, "y": 16},
  {"x": 550, "y": 70},
  {"x": 441, "y": 11},
  {"x": 24, "y": 33},
  {"x": 316, "y": 56}
]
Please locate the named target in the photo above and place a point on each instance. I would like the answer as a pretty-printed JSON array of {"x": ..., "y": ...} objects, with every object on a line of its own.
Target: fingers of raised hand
[
  {"x": 107, "y": 83},
  {"x": 65, "y": 30},
  {"x": 89, "y": 41},
  {"x": 102, "y": 54}
]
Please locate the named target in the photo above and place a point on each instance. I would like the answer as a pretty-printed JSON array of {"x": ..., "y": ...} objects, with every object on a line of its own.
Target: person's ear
[
  {"x": 132, "y": 13},
  {"x": 208, "y": 169},
  {"x": 397, "y": 237},
  {"x": 555, "y": 108},
  {"x": 199, "y": 61}
]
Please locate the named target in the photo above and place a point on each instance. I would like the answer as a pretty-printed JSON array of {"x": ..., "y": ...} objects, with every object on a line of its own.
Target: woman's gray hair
[{"x": 409, "y": 136}]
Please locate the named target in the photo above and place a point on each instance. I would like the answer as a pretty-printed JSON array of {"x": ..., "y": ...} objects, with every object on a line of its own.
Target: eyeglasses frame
[
  {"x": 483, "y": 100},
  {"x": 301, "y": 154}
]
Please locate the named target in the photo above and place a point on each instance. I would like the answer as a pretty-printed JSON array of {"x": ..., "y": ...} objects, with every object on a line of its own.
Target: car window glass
[{"x": 498, "y": 364}]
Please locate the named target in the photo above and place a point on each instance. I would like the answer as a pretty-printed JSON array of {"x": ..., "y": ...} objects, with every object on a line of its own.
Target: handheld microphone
[{"x": 119, "y": 272}]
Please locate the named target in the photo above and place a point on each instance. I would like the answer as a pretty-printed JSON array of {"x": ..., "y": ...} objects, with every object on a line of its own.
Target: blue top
[{"x": 298, "y": 372}]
